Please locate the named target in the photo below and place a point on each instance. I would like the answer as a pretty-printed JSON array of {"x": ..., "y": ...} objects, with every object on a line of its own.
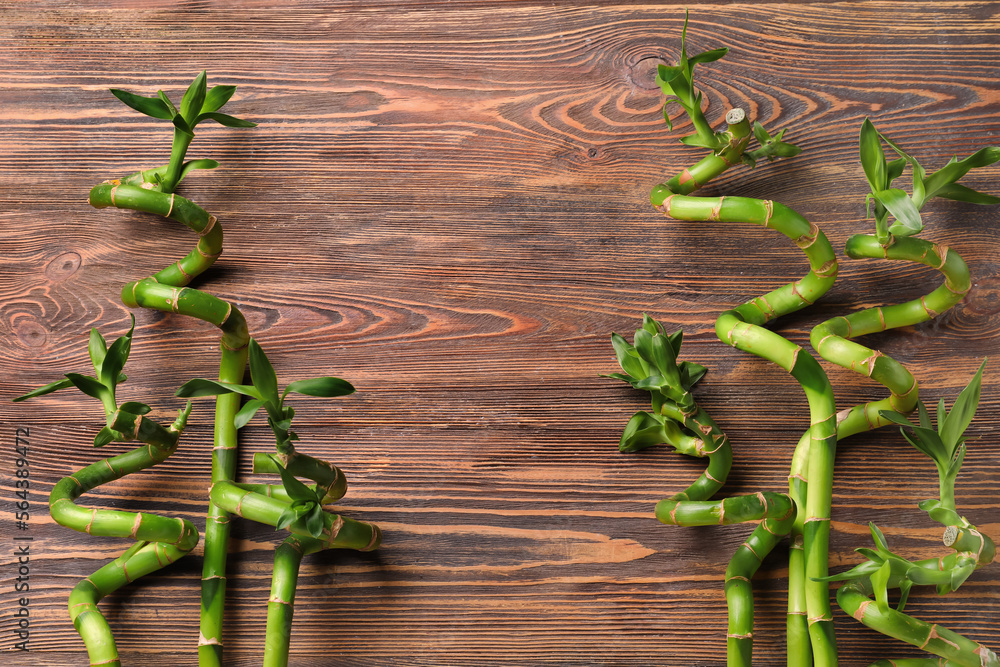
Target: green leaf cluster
[
  {"x": 264, "y": 393},
  {"x": 770, "y": 147},
  {"x": 677, "y": 83},
  {"x": 108, "y": 362},
  {"x": 651, "y": 364},
  {"x": 199, "y": 103},
  {"x": 306, "y": 505},
  {"x": 886, "y": 570},
  {"x": 905, "y": 209},
  {"x": 945, "y": 444}
]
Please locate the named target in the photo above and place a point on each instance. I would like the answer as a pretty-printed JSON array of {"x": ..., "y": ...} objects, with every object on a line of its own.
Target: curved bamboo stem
[
  {"x": 854, "y": 598},
  {"x": 160, "y": 540},
  {"x": 832, "y": 339},
  {"x": 742, "y": 327},
  {"x": 166, "y": 291}
]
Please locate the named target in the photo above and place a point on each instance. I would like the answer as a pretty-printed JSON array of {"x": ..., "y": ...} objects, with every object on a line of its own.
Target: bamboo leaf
[
  {"x": 894, "y": 169},
  {"x": 197, "y": 164},
  {"x": 872, "y": 555},
  {"x": 217, "y": 97},
  {"x": 182, "y": 124},
  {"x": 135, "y": 408},
  {"x": 960, "y": 574},
  {"x": 959, "y": 192},
  {"x": 956, "y": 463},
  {"x": 150, "y": 106},
  {"x": 879, "y": 539},
  {"x": 98, "y": 348},
  {"x": 707, "y": 56},
  {"x": 324, "y": 386},
  {"x": 620, "y": 376},
  {"x": 956, "y": 169},
  {"x": 873, "y": 157},
  {"x": 203, "y": 387},
  {"x": 650, "y": 325},
  {"x": 928, "y": 442},
  {"x": 639, "y": 422},
  {"x": 907, "y": 216},
  {"x": 945, "y": 516},
  {"x": 105, "y": 436},
  {"x": 88, "y": 385},
  {"x": 315, "y": 522},
  {"x": 285, "y": 519},
  {"x": 904, "y": 593},
  {"x": 691, "y": 373},
  {"x": 263, "y": 375},
  {"x": 628, "y": 358},
  {"x": 925, "y": 418},
  {"x": 961, "y": 413},
  {"x": 896, "y": 418},
  {"x": 651, "y": 382},
  {"x": 224, "y": 119},
  {"x": 46, "y": 389},
  {"x": 247, "y": 412},
  {"x": 166, "y": 101},
  {"x": 760, "y": 133},
  {"x": 194, "y": 98},
  {"x": 880, "y": 585},
  {"x": 116, "y": 357},
  {"x": 296, "y": 490},
  {"x": 698, "y": 141}
]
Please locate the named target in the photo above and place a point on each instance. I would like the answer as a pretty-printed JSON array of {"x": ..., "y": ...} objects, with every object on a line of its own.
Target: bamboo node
[
  {"x": 738, "y": 577},
  {"x": 276, "y": 599},
  {"x": 90, "y": 525},
  {"x": 686, "y": 177},
  {"x": 205, "y": 641},
  {"x": 768, "y": 211},
  {"x": 208, "y": 228},
  {"x": 859, "y": 614},
  {"x": 709, "y": 476},
  {"x": 722, "y": 513},
  {"x": 135, "y": 525},
  {"x": 664, "y": 208},
  {"x": 942, "y": 252},
  {"x": 930, "y": 313},
  {"x": 828, "y": 618},
  {"x": 113, "y": 189},
  {"x": 746, "y": 545},
  {"x": 748, "y": 635},
  {"x": 376, "y": 538},
  {"x": 716, "y": 211},
  {"x": 338, "y": 523},
  {"x": 171, "y": 208},
  {"x": 809, "y": 238}
]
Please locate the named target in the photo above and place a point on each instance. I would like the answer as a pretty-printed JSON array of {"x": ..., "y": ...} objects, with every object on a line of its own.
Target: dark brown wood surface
[{"x": 446, "y": 204}]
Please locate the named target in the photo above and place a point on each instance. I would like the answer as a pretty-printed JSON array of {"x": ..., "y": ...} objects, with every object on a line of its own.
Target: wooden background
[{"x": 446, "y": 204}]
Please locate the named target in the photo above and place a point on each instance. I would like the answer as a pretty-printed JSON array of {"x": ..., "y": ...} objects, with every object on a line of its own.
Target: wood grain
[{"x": 446, "y": 204}]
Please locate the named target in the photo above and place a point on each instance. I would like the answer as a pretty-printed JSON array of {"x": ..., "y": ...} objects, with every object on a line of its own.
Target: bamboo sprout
[
  {"x": 742, "y": 327},
  {"x": 152, "y": 191},
  {"x": 160, "y": 540}
]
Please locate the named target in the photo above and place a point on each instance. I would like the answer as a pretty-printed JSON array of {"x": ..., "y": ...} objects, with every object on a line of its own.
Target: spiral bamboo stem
[
  {"x": 166, "y": 291},
  {"x": 160, "y": 540},
  {"x": 742, "y": 327}
]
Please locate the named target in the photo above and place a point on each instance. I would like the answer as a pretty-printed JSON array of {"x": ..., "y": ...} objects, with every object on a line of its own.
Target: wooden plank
[{"x": 446, "y": 204}]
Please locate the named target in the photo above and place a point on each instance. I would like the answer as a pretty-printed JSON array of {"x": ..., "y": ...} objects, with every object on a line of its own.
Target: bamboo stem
[{"x": 166, "y": 291}]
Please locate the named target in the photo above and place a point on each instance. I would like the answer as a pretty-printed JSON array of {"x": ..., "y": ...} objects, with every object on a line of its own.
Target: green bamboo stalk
[
  {"x": 281, "y": 604},
  {"x": 854, "y": 598},
  {"x": 739, "y": 593},
  {"x": 832, "y": 339},
  {"x": 166, "y": 291},
  {"x": 160, "y": 540},
  {"x": 742, "y": 328}
]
